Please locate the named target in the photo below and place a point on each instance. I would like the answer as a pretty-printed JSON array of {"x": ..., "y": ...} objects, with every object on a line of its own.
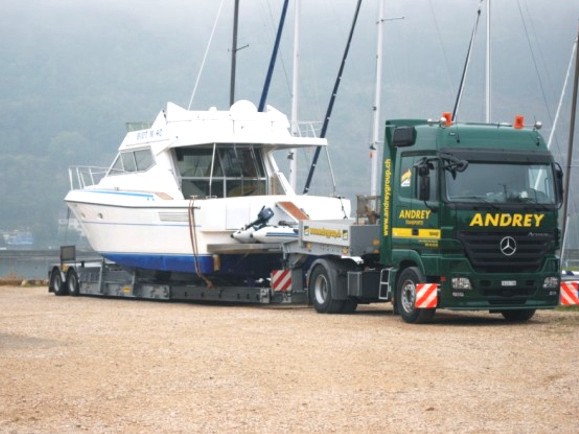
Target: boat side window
[
  {"x": 144, "y": 159},
  {"x": 129, "y": 164},
  {"x": 132, "y": 161}
]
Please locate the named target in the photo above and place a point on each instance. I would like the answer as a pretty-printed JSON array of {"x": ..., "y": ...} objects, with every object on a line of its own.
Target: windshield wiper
[{"x": 453, "y": 164}]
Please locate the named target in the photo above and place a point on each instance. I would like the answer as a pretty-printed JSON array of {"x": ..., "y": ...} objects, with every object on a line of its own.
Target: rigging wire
[
  {"x": 539, "y": 51},
  {"x": 444, "y": 54},
  {"x": 466, "y": 63},
  {"x": 573, "y": 54},
  {"x": 536, "y": 66},
  {"x": 205, "y": 55}
]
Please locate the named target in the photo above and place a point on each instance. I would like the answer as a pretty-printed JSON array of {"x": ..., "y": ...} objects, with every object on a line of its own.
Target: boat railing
[
  {"x": 85, "y": 176},
  {"x": 307, "y": 128}
]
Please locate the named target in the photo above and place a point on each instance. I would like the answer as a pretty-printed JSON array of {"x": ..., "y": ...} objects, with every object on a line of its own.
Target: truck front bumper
[{"x": 498, "y": 291}]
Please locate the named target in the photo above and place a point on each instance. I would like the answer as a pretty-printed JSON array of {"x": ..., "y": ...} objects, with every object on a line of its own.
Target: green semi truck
[{"x": 468, "y": 220}]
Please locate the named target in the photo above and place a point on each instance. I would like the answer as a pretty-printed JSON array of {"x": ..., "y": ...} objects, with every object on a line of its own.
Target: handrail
[{"x": 84, "y": 176}]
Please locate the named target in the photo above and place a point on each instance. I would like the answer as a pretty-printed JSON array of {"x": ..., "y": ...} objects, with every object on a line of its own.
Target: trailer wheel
[
  {"x": 72, "y": 282},
  {"x": 406, "y": 297},
  {"x": 56, "y": 284},
  {"x": 321, "y": 291},
  {"x": 518, "y": 315}
]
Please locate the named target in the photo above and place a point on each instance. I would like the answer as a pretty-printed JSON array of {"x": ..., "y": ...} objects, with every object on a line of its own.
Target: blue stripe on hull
[
  {"x": 181, "y": 263},
  {"x": 231, "y": 265}
]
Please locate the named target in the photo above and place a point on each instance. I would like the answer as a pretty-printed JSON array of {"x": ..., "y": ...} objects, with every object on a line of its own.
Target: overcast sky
[
  {"x": 82, "y": 68},
  {"x": 423, "y": 55},
  {"x": 428, "y": 46}
]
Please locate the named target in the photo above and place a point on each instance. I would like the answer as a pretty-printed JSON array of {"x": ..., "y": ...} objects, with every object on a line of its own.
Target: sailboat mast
[
  {"x": 376, "y": 107},
  {"x": 571, "y": 137},
  {"x": 234, "y": 53},
  {"x": 332, "y": 99},
  {"x": 293, "y": 173},
  {"x": 488, "y": 66},
  {"x": 273, "y": 58}
]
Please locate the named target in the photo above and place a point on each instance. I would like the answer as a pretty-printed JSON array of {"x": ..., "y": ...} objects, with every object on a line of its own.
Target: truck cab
[{"x": 472, "y": 209}]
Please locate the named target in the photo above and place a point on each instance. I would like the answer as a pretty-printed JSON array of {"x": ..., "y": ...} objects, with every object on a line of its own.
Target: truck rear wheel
[
  {"x": 322, "y": 291},
  {"x": 56, "y": 283},
  {"x": 72, "y": 282},
  {"x": 518, "y": 315},
  {"x": 406, "y": 297}
]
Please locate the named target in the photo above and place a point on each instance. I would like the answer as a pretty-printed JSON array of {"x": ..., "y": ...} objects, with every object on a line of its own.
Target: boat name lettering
[
  {"x": 507, "y": 220},
  {"x": 149, "y": 134}
]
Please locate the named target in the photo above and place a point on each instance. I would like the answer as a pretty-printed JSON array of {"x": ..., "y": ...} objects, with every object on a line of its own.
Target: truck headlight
[
  {"x": 461, "y": 283},
  {"x": 551, "y": 283}
]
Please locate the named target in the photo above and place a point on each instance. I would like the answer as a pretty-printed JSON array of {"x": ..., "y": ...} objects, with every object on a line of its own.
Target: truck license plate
[{"x": 508, "y": 283}]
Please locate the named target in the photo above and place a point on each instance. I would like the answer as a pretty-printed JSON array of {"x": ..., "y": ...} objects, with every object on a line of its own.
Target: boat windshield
[
  {"x": 501, "y": 183},
  {"x": 221, "y": 171}
]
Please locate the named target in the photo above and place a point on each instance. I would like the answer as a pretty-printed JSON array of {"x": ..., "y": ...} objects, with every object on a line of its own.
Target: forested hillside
[{"x": 73, "y": 73}]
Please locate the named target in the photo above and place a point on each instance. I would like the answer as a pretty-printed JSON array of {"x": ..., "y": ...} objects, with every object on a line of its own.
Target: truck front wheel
[
  {"x": 406, "y": 297},
  {"x": 321, "y": 291},
  {"x": 518, "y": 315}
]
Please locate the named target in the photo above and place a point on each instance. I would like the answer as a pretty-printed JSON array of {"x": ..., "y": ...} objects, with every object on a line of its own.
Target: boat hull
[{"x": 143, "y": 230}]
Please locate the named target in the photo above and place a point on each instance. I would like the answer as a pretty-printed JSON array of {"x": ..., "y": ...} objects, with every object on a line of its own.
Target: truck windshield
[{"x": 501, "y": 183}]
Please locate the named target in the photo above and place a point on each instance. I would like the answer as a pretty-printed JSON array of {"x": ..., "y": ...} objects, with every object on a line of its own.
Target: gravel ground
[{"x": 78, "y": 364}]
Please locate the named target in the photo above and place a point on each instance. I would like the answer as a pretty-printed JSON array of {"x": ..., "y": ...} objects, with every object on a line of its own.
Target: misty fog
[{"x": 74, "y": 72}]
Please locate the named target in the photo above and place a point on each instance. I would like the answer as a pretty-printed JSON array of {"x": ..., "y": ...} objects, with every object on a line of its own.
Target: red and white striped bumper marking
[
  {"x": 426, "y": 295},
  {"x": 281, "y": 280},
  {"x": 569, "y": 295}
]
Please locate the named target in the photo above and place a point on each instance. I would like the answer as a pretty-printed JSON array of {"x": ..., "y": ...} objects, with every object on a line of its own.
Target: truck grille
[{"x": 483, "y": 250}]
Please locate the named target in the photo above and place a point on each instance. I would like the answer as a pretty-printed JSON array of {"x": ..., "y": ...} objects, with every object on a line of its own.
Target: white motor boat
[{"x": 177, "y": 192}]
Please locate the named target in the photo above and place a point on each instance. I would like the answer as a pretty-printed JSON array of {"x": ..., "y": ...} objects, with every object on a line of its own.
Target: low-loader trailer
[{"x": 467, "y": 220}]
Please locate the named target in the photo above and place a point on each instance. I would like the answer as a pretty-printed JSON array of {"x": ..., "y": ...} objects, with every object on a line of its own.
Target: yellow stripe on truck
[{"x": 428, "y": 234}]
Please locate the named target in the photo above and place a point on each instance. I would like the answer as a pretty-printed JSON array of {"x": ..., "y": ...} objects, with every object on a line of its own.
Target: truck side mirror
[
  {"x": 424, "y": 187},
  {"x": 559, "y": 182},
  {"x": 404, "y": 136},
  {"x": 423, "y": 169}
]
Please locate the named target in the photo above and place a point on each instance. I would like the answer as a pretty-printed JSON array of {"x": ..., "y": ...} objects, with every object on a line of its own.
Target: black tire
[
  {"x": 349, "y": 306},
  {"x": 321, "y": 291},
  {"x": 406, "y": 297},
  {"x": 56, "y": 283},
  {"x": 72, "y": 282},
  {"x": 518, "y": 315}
]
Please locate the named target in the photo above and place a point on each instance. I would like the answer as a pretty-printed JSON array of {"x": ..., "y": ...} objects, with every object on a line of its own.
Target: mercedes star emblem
[{"x": 508, "y": 246}]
